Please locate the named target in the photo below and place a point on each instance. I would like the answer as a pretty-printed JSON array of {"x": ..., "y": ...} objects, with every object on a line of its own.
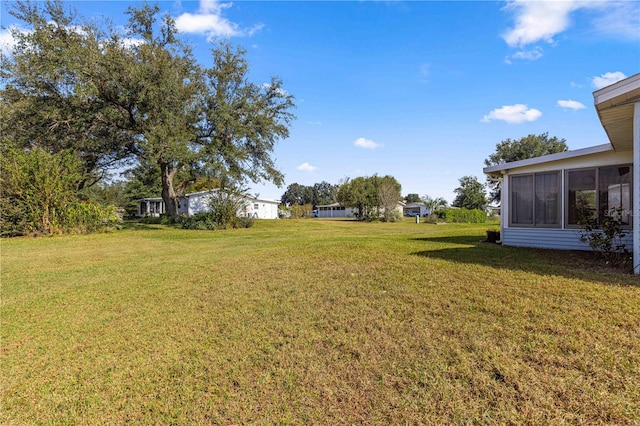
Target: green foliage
[
  {"x": 46, "y": 99},
  {"x": 605, "y": 237},
  {"x": 203, "y": 221},
  {"x": 109, "y": 100},
  {"x": 227, "y": 207},
  {"x": 520, "y": 149},
  {"x": 297, "y": 211},
  {"x": 208, "y": 221},
  {"x": 465, "y": 216},
  {"x": 374, "y": 197},
  {"x": 434, "y": 204},
  {"x": 87, "y": 217},
  {"x": 470, "y": 194},
  {"x": 319, "y": 194},
  {"x": 36, "y": 188},
  {"x": 412, "y": 198},
  {"x": 163, "y": 219}
]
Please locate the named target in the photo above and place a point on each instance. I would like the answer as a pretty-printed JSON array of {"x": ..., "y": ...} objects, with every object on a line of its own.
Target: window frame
[
  {"x": 560, "y": 199},
  {"x": 598, "y": 192}
]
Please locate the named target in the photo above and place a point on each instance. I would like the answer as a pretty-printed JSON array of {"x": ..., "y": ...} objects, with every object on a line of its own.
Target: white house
[
  {"x": 541, "y": 196},
  {"x": 197, "y": 202},
  {"x": 150, "y": 207},
  {"x": 336, "y": 210},
  {"x": 416, "y": 209}
]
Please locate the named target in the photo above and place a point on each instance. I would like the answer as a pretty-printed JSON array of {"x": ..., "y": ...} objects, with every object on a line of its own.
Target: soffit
[{"x": 615, "y": 106}]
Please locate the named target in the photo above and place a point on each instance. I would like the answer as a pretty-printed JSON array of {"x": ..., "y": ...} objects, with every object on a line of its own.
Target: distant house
[
  {"x": 541, "y": 196},
  {"x": 336, "y": 210},
  {"x": 197, "y": 202},
  {"x": 150, "y": 207},
  {"x": 416, "y": 209}
]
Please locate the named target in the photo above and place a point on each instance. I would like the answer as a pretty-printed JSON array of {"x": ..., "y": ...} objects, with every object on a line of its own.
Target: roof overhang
[
  {"x": 615, "y": 105},
  {"x": 500, "y": 168}
]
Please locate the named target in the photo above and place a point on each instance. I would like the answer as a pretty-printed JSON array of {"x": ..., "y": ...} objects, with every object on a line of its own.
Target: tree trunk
[{"x": 168, "y": 192}]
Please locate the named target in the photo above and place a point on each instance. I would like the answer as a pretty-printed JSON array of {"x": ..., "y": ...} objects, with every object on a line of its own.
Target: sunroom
[{"x": 544, "y": 198}]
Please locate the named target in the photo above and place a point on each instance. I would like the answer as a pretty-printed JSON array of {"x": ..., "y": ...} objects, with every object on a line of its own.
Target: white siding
[
  {"x": 561, "y": 239},
  {"x": 333, "y": 211},
  {"x": 198, "y": 202}
]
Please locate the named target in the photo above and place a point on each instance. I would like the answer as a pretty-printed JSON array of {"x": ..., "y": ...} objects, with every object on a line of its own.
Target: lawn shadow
[
  {"x": 569, "y": 264},
  {"x": 135, "y": 225}
]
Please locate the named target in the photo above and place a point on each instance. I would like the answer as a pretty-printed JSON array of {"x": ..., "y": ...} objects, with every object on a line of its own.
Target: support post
[{"x": 636, "y": 188}]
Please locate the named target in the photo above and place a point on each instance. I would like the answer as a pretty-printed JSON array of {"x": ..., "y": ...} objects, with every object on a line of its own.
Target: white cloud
[
  {"x": 576, "y": 85},
  {"x": 209, "y": 21},
  {"x": 538, "y": 21},
  {"x": 569, "y": 104},
  {"x": 366, "y": 143},
  {"x": 607, "y": 79},
  {"x": 526, "y": 55},
  {"x": 618, "y": 18},
  {"x": 518, "y": 113},
  {"x": 541, "y": 21},
  {"x": 306, "y": 167},
  {"x": 529, "y": 55}
]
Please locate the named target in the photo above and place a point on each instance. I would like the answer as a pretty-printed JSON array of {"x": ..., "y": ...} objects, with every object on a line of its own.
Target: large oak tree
[{"x": 140, "y": 94}]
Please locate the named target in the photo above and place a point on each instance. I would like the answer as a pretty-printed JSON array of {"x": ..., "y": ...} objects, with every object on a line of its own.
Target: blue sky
[{"x": 422, "y": 90}]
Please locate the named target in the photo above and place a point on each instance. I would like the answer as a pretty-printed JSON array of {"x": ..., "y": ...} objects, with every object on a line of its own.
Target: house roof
[
  {"x": 411, "y": 205},
  {"x": 497, "y": 169},
  {"x": 148, "y": 199},
  {"x": 210, "y": 191},
  {"x": 614, "y": 105}
]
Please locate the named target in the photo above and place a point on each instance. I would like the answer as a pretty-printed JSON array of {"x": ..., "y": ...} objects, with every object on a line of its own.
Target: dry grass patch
[{"x": 317, "y": 322}]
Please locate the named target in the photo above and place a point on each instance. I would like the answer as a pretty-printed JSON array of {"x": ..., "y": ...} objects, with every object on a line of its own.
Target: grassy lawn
[{"x": 313, "y": 322}]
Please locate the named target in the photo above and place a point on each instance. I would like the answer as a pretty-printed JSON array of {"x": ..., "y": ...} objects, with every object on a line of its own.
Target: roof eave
[{"x": 498, "y": 169}]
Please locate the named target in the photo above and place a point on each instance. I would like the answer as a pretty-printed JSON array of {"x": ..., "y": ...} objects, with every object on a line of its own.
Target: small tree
[
  {"x": 434, "y": 204},
  {"x": 388, "y": 197},
  {"x": 363, "y": 194},
  {"x": 226, "y": 204},
  {"x": 470, "y": 194}
]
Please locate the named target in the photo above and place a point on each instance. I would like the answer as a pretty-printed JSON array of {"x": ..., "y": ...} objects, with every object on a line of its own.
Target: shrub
[
  {"x": 204, "y": 221},
  {"x": 605, "y": 237},
  {"x": 87, "y": 217},
  {"x": 207, "y": 221},
  {"x": 36, "y": 188},
  {"x": 465, "y": 216}
]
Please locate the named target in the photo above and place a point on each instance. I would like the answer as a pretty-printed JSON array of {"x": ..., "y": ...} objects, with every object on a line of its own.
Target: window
[
  {"x": 615, "y": 192},
  {"x": 535, "y": 200},
  {"x": 256, "y": 206},
  {"x": 582, "y": 195},
  {"x": 595, "y": 192}
]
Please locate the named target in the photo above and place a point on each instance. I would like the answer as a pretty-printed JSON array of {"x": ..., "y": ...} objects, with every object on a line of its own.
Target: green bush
[
  {"x": 205, "y": 221},
  {"x": 163, "y": 219},
  {"x": 208, "y": 221},
  {"x": 87, "y": 217},
  {"x": 36, "y": 188},
  {"x": 465, "y": 216},
  {"x": 605, "y": 236}
]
